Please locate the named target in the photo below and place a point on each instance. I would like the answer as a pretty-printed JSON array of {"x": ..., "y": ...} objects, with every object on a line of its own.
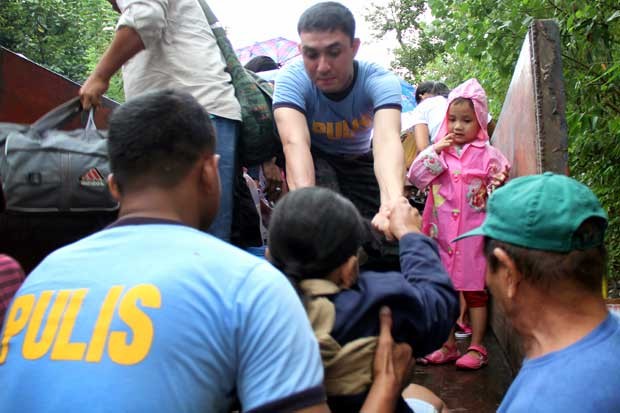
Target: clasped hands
[{"x": 396, "y": 218}]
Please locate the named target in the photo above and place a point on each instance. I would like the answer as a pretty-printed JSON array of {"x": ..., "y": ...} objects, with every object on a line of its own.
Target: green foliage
[
  {"x": 483, "y": 38},
  {"x": 66, "y": 36}
]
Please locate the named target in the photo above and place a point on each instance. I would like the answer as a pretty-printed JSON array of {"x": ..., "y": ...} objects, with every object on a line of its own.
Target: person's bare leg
[
  {"x": 415, "y": 391},
  {"x": 463, "y": 307},
  {"x": 478, "y": 316},
  {"x": 451, "y": 341}
]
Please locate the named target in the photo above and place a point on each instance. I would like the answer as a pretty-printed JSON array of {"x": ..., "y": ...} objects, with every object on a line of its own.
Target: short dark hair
[
  {"x": 327, "y": 17},
  {"x": 261, "y": 64},
  {"x": 155, "y": 138},
  {"x": 434, "y": 88},
  {"x": 312, "y": 232},
  {"x": 545, "y": 269}
]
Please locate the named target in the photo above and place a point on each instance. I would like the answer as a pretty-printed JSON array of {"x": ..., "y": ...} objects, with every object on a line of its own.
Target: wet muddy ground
[{"x": 478, "y": 391}]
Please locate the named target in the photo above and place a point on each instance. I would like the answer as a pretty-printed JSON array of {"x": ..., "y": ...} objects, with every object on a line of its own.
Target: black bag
[{"x": 43, "y": 169}]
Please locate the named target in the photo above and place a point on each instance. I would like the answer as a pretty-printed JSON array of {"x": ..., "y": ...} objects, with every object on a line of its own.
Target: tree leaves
[{"x": 65, "y": 36}]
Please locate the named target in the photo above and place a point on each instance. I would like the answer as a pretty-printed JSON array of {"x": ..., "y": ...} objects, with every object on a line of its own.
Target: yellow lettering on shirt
[
  {"x": 33, "y": 349},
  {"x": 16, "y": 321},
  {"x": 366, "y": 121},
  {"x": 338, "y": 132},
  {"x": 64, "y": 349},
  {"x": 140, "y": 324},
  {"x": 47, "y": 321},
  {"x": 341, "y": 129},
  {"x": 318, "y": 128},
  {"x": 346, "y": 131},
  {"x": 102, "y": 326},
  {"x": 329, "y": 130}
]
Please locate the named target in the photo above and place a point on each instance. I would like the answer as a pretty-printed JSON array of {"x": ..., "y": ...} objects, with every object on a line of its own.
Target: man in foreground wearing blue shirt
[{"x": 544, "y": 243}]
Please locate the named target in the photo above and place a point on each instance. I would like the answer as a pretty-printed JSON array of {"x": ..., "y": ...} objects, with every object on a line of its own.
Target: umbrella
[{"x": 281, "y": 50}]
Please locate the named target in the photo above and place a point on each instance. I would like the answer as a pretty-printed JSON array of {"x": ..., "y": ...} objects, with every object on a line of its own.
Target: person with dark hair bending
[
  {"x": 326, "y": 108},
  {"x": 544, "y": 244},
  {"x": 314, "y": 238},
  {"x": 261, "y": 64},
  {"x": 154, "y": 315}
]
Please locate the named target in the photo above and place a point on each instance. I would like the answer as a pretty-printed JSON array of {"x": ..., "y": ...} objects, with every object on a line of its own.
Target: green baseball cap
[{"x": 541, "y": 212}]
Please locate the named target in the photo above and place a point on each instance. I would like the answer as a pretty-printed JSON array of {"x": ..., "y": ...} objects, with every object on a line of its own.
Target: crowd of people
[{"x": 160, "y": 312}]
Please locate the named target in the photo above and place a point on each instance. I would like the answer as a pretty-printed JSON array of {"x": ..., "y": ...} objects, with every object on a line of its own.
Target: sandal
[
  {"x": 471, "y": 362},
  {"x": 462, "y": 330},
  {"x": 444, "y": 355}
]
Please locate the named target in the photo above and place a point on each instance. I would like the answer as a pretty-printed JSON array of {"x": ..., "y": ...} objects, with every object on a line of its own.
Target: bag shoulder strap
[
  {"x": 233, "y": 65},
  {"x": 211, "y": 19},
  {"x": 263, "y": 85}
]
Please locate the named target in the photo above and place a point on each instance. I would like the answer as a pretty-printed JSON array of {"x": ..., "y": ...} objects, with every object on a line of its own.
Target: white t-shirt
[
  {"x": 181, "y": 52},
  {"x": 430, "y": 112}
]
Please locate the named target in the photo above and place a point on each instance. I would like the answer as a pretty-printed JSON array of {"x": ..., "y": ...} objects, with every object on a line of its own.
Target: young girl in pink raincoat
[{"x": 461, "y": 169}]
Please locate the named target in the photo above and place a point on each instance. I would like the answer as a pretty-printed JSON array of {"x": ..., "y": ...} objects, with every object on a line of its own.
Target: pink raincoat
[{"x": 458, "y": 191}]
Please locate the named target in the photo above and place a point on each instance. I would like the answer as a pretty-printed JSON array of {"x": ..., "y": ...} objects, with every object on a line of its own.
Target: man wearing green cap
[{"x": 546, "y": 259}]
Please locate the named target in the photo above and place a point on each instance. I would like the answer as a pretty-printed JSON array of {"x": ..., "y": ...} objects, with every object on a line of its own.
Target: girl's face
[{"x": 462, "y": 122}]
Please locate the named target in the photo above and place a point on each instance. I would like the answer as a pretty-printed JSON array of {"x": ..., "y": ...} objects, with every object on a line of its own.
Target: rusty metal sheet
[
  {"x": 531, "y": 131},
  {"x": 28, "y": 91}
]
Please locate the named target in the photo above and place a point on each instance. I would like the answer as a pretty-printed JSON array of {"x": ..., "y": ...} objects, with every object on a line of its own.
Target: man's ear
[
  {"x": 114, "y": 188},
  {"x": 209, "y": 175},
  {"x": 356, "y": 45},
  {"x": 510, "y": 276},
  {"x": 349, "y": 272}
]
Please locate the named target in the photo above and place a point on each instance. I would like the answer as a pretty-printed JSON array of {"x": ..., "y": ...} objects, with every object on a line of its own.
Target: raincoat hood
[{"x": 470, "y": 89}]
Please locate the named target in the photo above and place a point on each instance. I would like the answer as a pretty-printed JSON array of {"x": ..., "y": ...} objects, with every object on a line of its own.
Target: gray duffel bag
[{"x": 44, "y": 169}]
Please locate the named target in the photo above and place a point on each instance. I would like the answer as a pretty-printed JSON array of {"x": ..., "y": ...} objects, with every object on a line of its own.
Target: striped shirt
[{"x": 11, "y": 277}]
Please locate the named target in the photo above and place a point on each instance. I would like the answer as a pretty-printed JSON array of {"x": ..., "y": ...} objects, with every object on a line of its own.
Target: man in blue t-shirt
[
  {"x": 153, "y": 315},
  {"x": 546, "y": 259},
  {"x": 329, "y": 106}
]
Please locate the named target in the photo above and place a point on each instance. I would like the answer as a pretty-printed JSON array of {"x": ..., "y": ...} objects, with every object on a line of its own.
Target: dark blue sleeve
[
  {"x": 423, "y": 301},
  {"x": 435, "y": 303}
]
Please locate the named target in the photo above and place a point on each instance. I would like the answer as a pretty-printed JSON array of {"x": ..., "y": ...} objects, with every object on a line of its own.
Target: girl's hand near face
[{"x": 444, "y": 143}]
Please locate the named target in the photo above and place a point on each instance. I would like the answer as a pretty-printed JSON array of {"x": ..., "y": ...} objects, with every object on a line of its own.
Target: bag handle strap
[
  {"x": 57, "y": 116},
  {"x": 61, "y": 114},
  {"x": 211, "y": 19},
  {"x": 233, "y": 65}
]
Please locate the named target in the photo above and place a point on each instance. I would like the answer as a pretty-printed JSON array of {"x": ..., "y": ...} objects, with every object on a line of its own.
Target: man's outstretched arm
[
  {"x": 124, "y": 46},
  {"x": 389, "y": 163},
  {"x": 293, "y": 131}
]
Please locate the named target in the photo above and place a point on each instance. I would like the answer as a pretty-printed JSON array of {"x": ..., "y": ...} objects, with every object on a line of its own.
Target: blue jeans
[{"x": 227, "y": 132}]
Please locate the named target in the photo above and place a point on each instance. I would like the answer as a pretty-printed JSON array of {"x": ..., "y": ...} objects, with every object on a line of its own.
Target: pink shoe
[
  {"x": 422, "y": 361},
  {"x": 469, "y": 362},
  {"x": 444, "y": 355},
  {"x": 465, "y": 328}
]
